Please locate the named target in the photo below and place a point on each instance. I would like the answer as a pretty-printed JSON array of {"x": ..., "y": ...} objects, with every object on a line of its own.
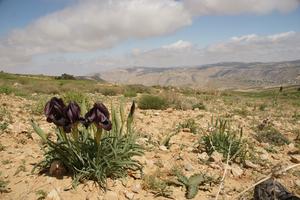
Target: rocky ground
[{"x": 20, "y": 151}]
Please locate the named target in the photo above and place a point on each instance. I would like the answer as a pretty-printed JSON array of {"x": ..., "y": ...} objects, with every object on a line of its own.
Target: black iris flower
[
  {"x": 61, "y": 115},
  {"x": 100, "y": 116}
]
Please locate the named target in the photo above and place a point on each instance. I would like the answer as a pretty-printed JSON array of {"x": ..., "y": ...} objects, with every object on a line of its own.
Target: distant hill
[{"x": 234, "y": 75}]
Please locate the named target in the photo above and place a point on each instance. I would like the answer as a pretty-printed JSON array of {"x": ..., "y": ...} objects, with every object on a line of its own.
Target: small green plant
[
  {"x": 225, "y": 141},
  {"x": 5, "y": 162},
  {"x": 78, "y": 97},
  {"x": 6, "y": 89},
  {"x": 262, "y": 107},
  {"x": 21, "y": 168},
  {"x": 2, "y": 148},
  {"x": 3, "y": 126},
  {"x": 189, "y": 124},
  {"x": 152, "y": 102},
  {"x": 41, "y": 194},
  {"x": 199, "y": 105},
  {"x": 130, "y": 93},
  {"x": 271, "y": 135},
  {"x": 157, "y": 186},
  {"x": 96, "y": 150},
  {"x": 192, "y": 183},
  {"x": 38, "y": 107},
  {"x": 3, "y": 185}
]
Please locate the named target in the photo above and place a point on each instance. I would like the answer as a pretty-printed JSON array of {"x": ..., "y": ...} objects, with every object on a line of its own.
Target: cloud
[
  {"x": 247, "y": 48},
  {"x": 233, "y": 7},
  {"x": 178, "y": 45},
  {"x": 92, "y": 25}
]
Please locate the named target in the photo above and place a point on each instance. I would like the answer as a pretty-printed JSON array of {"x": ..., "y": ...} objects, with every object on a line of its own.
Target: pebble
[
  {"x": 264, "y": 156},
  {"x": 216, "y": 157},
  {"x": 136, "y": 188},
  {"x": 295, "y": 158},
  {"x": 53, "y": 195},
  {"x": 129, "y": 195},
  {"x": 236, "y": 170},
  {"x": 188, "y": 167},
  {"x": 250, "y": 164},
  {"x": 203, "y": 156},
  {"x": 163, "y": 148},
  {"x": 110, "y": 195}
]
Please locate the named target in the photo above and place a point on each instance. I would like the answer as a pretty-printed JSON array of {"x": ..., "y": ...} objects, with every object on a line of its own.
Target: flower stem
[{"x": 98, "y": 134}]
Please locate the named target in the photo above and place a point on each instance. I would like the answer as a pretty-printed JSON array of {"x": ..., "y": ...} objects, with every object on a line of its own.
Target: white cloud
[
  {"x": 178, "y": 45},
  {"x": 231, "y": 7},
  {"x": 92, "y": 25},
  {"x": 247, "y": 48}
]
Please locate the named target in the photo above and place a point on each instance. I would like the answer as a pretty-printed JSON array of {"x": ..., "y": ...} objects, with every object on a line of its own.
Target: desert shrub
[
  {"x": 271, "y": 135},
  {"x": 65, "y": 77},
  {"x": 6, "y": 89},
  {"x": 190, "y": 124},
  {"x": 225, "y": 141},
  {"x": 130, "y": 93},
  {"x": 157, "y": 186},
  {"x": 38, "y": 107},
  {"x": 78, "y": 97},
  {"x": 138, "y": 88},
  {"x": 262, "y": 107},
  {"x": 242, "y": 112},
  {"x": 3, "y": 185},
  {"x": 93, "y": 153},
  {"x": 3, "y": 126},
  {"x": 152, "y": 102},
  {"x": 199, "y": 105}
]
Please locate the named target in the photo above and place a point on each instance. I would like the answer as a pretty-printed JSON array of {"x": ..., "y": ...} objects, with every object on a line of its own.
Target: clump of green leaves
[
  {"x": 225, "y": 141},
  {"x": 2, "y": 147},
  {"x": 4, "y": 89},
  {"x": 152, "y": 102},
  {"x": 38, "y": 107},
  {"x": 192, "y": 183},
  {"x": 199, "y": 105},
  {"x": 3, "y": 185},
  {"x": 271, "y": 135},
  {"x": 89, "y": 155},
  {"x": 41, "y": 194},
  {"x": 78, "y": 97},
  {"x": 21, "y": 168},
  {"x": 190, "y": 124},
  {"x": 130, "y": 93},
  {"x": 157, "y": 186}
]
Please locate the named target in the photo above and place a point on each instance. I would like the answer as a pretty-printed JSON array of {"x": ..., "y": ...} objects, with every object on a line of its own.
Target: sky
[{"x": 85, "y": 36}]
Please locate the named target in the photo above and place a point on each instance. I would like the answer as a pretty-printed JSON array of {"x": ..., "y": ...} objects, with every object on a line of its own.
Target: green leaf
[
  {"x": 196, "y": 179},
  {"x": 39, "y": 131},
  {"x": 192, "y": 191}
]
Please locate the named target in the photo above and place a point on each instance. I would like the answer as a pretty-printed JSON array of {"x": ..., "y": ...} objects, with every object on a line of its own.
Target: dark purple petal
[
  {"x": 99, "y": 114},
  {"x": 73, "y": 112}
]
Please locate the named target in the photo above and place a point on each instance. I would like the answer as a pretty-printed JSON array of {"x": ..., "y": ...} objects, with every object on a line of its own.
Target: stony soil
[{"x": 22, "y": 151}]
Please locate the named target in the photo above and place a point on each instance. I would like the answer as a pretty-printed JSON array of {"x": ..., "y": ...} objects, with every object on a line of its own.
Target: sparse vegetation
[
  {"x": 189, "y": 124},
  {"x": 157, "y": 186},
  {"x": 3, "y": 185},
  {"x": 152, "y": 102},
  {"x": 271, "y": 135},
  {"x": 225, "y": 141}
]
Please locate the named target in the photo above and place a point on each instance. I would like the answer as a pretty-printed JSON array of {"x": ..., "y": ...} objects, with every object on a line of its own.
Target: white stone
[
  {"x": 236, "y": 170},
  {"x": 216, "y": 157},
  {"x": 163, "y": 148},
  {"x": 53, "y": 195},
  {"x": 129, "y": 195},
  {"x": 136, "y": 188}
]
